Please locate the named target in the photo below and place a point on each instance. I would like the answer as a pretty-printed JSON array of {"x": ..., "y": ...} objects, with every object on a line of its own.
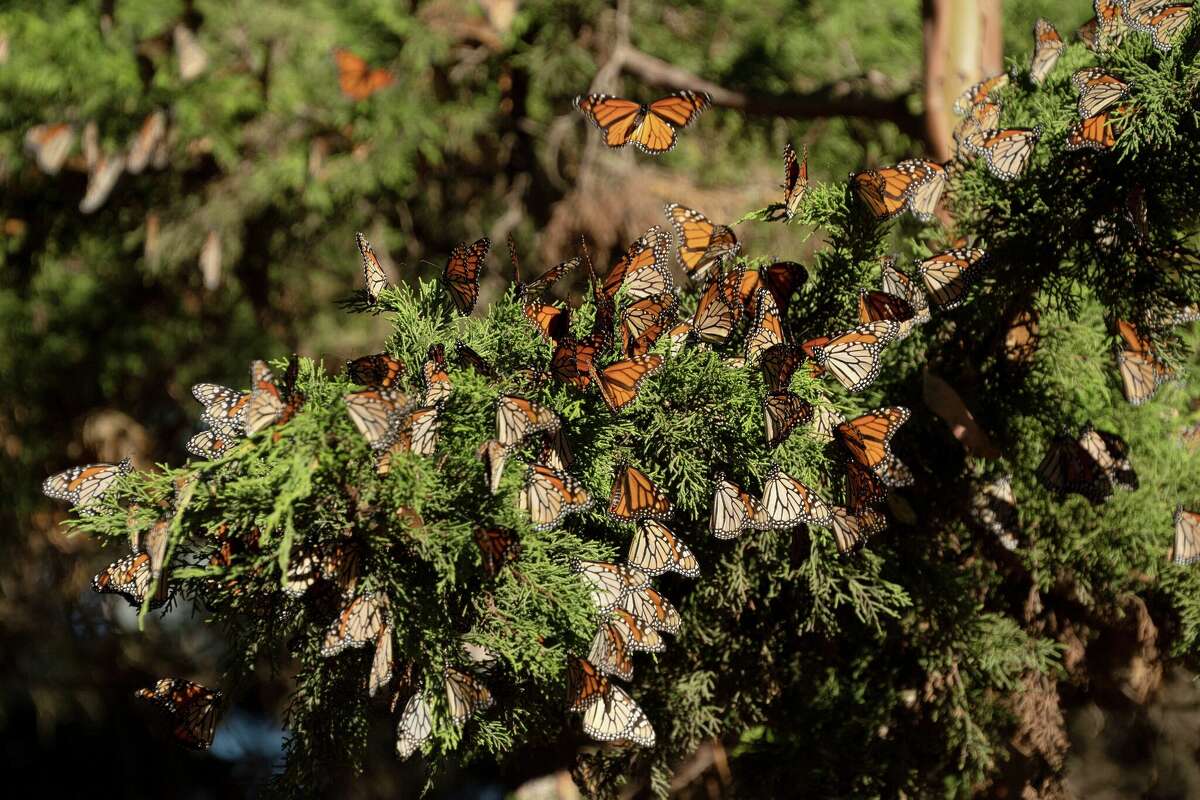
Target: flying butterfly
[
  {"x": 380, "y": 370},
  {"x": 1186, "y": 549},
  {"x": 782, "y": 413},
  {"x": 948, "y": 275},
  {"x": 655, "y": 550},
  {"x": 734, "y": 510},
  {"x": 85, "y": 486},
  {"x": 131, "y": 578},
  {"x": 703, "y": 245},
  {"x": 1097, "y": 90},
  {"x": 498, "y": 546},
  {"x": 1047, "y": 47},
  {"x": 1007, "y": 152},
  {"x": 635, "y": 497},
  {"x": 610, "y": 583},
  {"x": 651, "y": 128},
  {"x": 550, "y": 494},
  {"x": 619, "y": 382},
  {"x": 851, "y": 530},
  {"x": 609, "y": 714},
  {"x": 357, "y": 624},
  {"x": 795, "y": 180},
  {"x": 462, "y": 271},
  {"x": 789, "y": 503},
  {"x": 374, "y": 277},
  {"x": 356, "y": 78},
  {"x": 868, "y": 438},
  {"x": 191, "y": 707},
  {"x": 852, "y": 356},
  {"x": 1165, "y": 22},
  {"x": 551, "y": 321},
  {"x": 1142, "y": 372}
]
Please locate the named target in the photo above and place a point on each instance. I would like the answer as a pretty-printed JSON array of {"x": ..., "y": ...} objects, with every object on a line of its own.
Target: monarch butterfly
[
  {"x": 1070, "y": 467},
  {"x": 383, "y": 666},
  {"x": 356, "y": 79},
  {"x": 50, "y": 145},
  {"x": 610, "y": 653},
  {"x": 1094, "y": 133},
  {"x": 874, "y": 306},
  {"x": 644, "y": 321},
  {"x": 863, "y": 487},
  {"x": 210, "y": 444},
  {"x": 779, "y": 363},
  {"x": 651, "y": 128},
  {"x": 523, "y": 290},
  {"x": 571, "y": 362},
  {"x": 636, "y": 498},
  {"x": 782, "y": 279},
  {"x": 149, "y": 135},
  {"x": 465, "y": 695},
  {"x": 468, "y": 357},
  {"x": 609, "y": 583},
  {"x": 131, "y": 578},
  {"x": 270, "y": 404},
  {"x": 852, "y": 356},
  {"x": 979, "y": 93},
  {"x": 1141, "y": 370},
  {"x": 984, "y": 116},
  {"x": 795, "y": 180},
  {"x": 549, "y": 320},
  {"x": 898, "y": 284},
  {"x": 518, "y": 418},
  {"x": 462, "y": 271},
  {"x": 789, "y": 503},
  {"x": 652, "y": 609},
  {"x": 703, "y": 246},
  {"x": 927, "y": 194},
  {"x": 948, "y": 275},
  {"x": 767, "y": 329},
  {"x": 1047, "y": 47},
  {"x": 655, "y": 550},
  {"x": 380, "y": 370},
  {"x": 1186, "y": 549},
  {"x": 1165, "y": 22},
  {"x": 357, "y": 624},
  {"x": 494, "y": 456},
  {"x": 224, "y": 408},
  {"x": 414, "y": 727},
  {"x": 825, "y": 420},
  {"x": 718, "y": 309},
  {"x": 377, "y": 414},
  {"x": 192, "y": 708},
  {"x": 336, "y": 562},
  {"x": 994, "y": 508},
  {"x": 1006, "y": 151},
  {"x": 374, "y": 277},
  {"x": 734, "y": 510},
  {"x": 608, "y": 712},
  {"x": 782, "y": 412},
  {"x": 550, "y": 494},
  {"x": 1097, "y": 90},
  {"x": 85, "y": 486},
  {"x": 1110, "y": 28},
  {"x": 102, "y": 179},
  {"x": 619, "y": 382},
  {"x": 886, "y": 192},
  {"x": 418, "y": 434},
  {"x": 868, "y": 438},
  {"x": 642, "y": 270},
  {"x": 499, "y": 546},
  {"x": 852, "y": 530},
  {"x": 1111, "y": 453},
  {"x": 434, "y": 376}
]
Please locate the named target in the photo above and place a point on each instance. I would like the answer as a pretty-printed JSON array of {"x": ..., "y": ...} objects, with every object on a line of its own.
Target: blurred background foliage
[{"x": 235, "y": 242}]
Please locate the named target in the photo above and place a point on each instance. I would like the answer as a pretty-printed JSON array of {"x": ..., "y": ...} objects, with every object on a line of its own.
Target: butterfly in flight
[
  {"x": 191, "y": 707},
  {"x": 651, "y": 128},
  {"x": 1047, "y": 47},
  {"x": 356, "y": 78},
  {"x": 84, "y": 487}
]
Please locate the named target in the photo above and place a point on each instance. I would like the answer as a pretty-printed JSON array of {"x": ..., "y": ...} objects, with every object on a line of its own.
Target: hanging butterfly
[
  {"x": 85, "y": 486},
  {"x": 414, "y": 727},
  {"x": 380, "y": 370},
  {"x": 635, "y": 497},
  {"x": 886, "y": 192},
  {"x": 982, "y": 117},
  {"x": 608, "y": 584},
  {"x": 652, "y": 609},
  {"x": 994, "y": 508},
  {"x": 571, "y": 362},
  {"x": 642, "y": 271},
  {"x": 1047, "y": 47},
  {"x": 357, "y": 624},
  {"x": 1097, "y": 90},
  {"x": 102, "y": 179},
  {"x": 779, "y": 363},
  {"x": 718, "y": 309},
  {"x": 948, "y": 275},
  {"x": 766, "y": 330},
  {"x": 852, "y": 356},
  {"x": 619, "y": 382},
  {"x": 1021, "y": 338},
  {"x": 210, "y": 444},
  {"x": 789, "y": 503},
  {"x": 524, "y": 290},
  {"x": 269, "y": 403},
  {"x": 874, "y": 306},
  {"x": 1165, "y": 22},
  {"x": 1141, "y": 370},
  {"x": 131, "y": 578},
  {"x": 868, "y": 438},
  {"x": 417, "y": 433},
  {"x": 1006, "y": 151},
  {"x": 1070, "y": 468},
  {"x": 852, "y": 530},
  {"x": 703, "y": 245},
  {"x": 926, "y": 195},
  {"x": 549, "y": 495},
  {"x": 551, "y": 321},
  {"x": 494, "y": 456},
  {"x": 1111, "y": 453},
  {"x": 863, "y": 487},
  {"x": 462, "y": 271},
  {"x": 556, "y": 451},
  {"x": 643, "y": 322},
  {"x": 465, "y": 355},
  {"x": 1186, "y": 549},
  {"x": 498, "y": 546},
  {"x": 434, "y": 376},
  {"x": 734, "y": 510},
  {"x": 979, "y": 93},
  {"x": 151, "y": 133},
  {"x": 378, "y": 414},
  {"x": 825, "y": 421},
  {"x": 609, "y": 714},
  {"x": 191, "y": 707},
  {"x": 50, "y": 145},
  {"x": 782, "y": 279},
  {"x": 1094, "y": 133},
  {"x": 609, "y": 652},
  {"x": 374, "y": 277},
  {"x": 651, "y": 128},
  {"x": 1109, "y": 27},
  {"x": 224, "y": 408},
  {"x": 518, "y": 418},
  {"x": 782, "y": 412},
  {"x": 465, "y": 695},
  {"x": 356, "y": 78},
  {"x": 795, "y": 180},
  {"x": 383, "y": 665},
  {"x": 655, "y": 550}
]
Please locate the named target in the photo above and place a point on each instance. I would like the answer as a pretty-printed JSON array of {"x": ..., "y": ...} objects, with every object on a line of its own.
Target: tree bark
[{"x": 963, "y": 45}]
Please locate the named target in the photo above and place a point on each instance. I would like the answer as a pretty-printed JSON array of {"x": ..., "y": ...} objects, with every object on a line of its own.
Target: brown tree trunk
[{"x": 963, "y": 45}]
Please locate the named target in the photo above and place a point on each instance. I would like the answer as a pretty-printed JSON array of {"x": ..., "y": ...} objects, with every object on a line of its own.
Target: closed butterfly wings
[
  {"x": 191, "y": 707},
  {"x": 1142, "y": 371},
  {"x": 609, "y": 714},
  {"x": 1186, "y": 548},
  {"x": 703, "y": 245},
  {"x": 85, "y": 486},
  {"x": 1047, "y": 47}
]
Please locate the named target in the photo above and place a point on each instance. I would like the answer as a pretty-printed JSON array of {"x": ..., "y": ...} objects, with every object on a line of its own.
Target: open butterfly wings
[
  {"x": 703, "y": 245},
  {"x": 462, "y": 271},
  {"x": 651, "y": 128},
  {"x": 356, "y": 78},
  {"x": 191, "y": 707}
]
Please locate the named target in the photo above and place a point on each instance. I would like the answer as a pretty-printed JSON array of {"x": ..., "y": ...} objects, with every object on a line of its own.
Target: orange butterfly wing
[
  {"x": 357, "y": 80},
  {"x": 619, "y": 382},
  {"x": 635, "y": 497}
]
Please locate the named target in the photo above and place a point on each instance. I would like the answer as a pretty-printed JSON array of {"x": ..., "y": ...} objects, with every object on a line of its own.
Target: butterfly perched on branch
[
  {"x": 651, "y": 128},
  {"x": 191, "y": 707}
]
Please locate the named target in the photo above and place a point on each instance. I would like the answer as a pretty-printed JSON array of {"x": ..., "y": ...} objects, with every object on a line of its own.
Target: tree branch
[{"x": 841, "y": 99}]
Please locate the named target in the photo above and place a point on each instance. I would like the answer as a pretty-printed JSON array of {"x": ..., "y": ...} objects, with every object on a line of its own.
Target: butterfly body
[{"x": 652, "y": 128}]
